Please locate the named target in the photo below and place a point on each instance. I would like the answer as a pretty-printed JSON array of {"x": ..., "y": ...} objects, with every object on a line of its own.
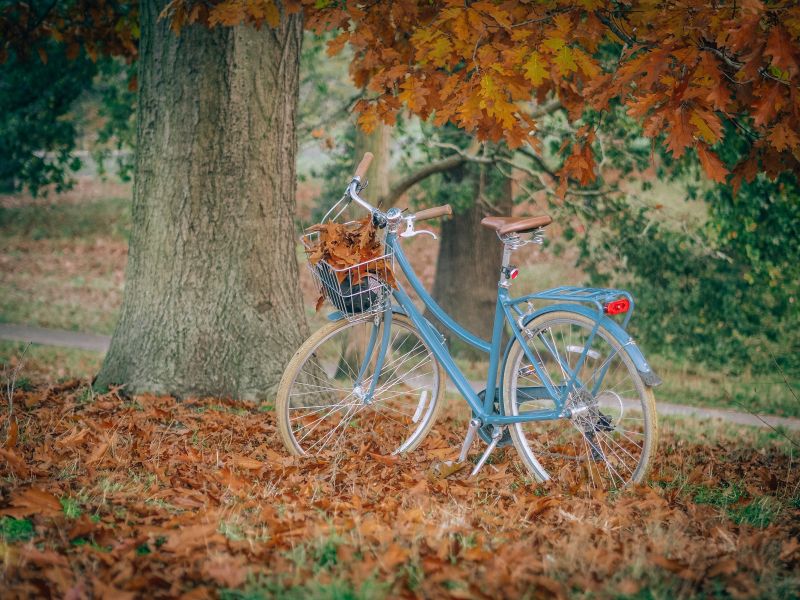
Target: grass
[
  {"x": 329, "y": 580},
  {"x": 71, "y": 507},
  {"x": 313, "y": 590},
  {"x": 759, "y": 513},
  {"x": 63, "y": 267},
  {"x": 730, "y": 436},
  {"x": 697, "y": 385},
  {"x": 16, "y": 530},
  {"x": 734, "y": 500},
  {"x": 63, "y": 264},
  {"x": 109, "y": 217},
  {"x": 49, "y": 363}
]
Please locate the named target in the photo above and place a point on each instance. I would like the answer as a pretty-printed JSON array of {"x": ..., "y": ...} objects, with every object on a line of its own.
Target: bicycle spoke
[
  {"x": 603, "y": 426},
  {"x": 328, "y": 413}
]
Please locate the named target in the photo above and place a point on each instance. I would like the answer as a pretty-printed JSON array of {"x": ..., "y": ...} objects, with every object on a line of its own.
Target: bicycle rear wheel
[
  {"x": 321, "y": 404},
  {"x": 608, "y": 441}
]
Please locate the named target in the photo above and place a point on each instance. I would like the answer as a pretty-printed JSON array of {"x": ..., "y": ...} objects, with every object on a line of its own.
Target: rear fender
[{"x": 646, "y": 372}]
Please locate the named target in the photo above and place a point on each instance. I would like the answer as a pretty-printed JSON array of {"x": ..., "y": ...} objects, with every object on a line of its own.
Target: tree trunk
[
  {"x": 468, "y": 266},
  {"x": 379, "y": 143},
  {"x": 212, "y": 304}
]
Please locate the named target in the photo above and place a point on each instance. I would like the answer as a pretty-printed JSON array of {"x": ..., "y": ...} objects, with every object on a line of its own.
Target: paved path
[
  {"x": 99, "y": 343},
  {"x": 54, "y": 337}
]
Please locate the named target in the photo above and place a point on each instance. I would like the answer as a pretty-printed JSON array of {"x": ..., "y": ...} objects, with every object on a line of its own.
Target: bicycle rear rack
[{"x": 597, "y": 297}]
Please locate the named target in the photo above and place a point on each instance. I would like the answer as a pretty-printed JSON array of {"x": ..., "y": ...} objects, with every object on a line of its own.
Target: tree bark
[
  {"x": 468, "y": 266},
  {"x": 379, "y": 143},
  {"x": 212, "y": 304}
]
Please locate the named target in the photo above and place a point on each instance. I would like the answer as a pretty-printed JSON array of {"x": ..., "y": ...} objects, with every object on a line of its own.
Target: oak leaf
[
  {"x": 535, "y": 69},
  {"x": 33, "y": 501},
  {"x": 712, "y": 165},
  {"x": 780, "y": 48},
  {"x": 226, "y": 13},
  {"x": 245, "y": 462},
  {"x": 680, "y": 133},
  {"x": 565, "y": 60},
  {"x": 782, "y": 137}
]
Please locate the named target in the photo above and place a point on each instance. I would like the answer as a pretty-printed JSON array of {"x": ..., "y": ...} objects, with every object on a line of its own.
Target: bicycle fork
[{"x": 366, "y": 396}]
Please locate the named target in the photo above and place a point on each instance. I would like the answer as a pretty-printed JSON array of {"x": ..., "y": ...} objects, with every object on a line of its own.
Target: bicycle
[{"x": 570, "y": 389}]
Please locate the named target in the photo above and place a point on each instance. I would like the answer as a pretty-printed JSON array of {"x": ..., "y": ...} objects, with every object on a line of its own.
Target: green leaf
[
  {"x": 565, "y": 61},
  {"x": 536, "y": 69}
]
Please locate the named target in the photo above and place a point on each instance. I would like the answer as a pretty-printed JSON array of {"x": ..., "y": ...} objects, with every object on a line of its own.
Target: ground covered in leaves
[{"x": 111, "y": 497}]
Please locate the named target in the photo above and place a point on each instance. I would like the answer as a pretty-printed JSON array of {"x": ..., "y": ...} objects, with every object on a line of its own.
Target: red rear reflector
[
  {"x": 617, "y": 306},
  {"x": 514, "y": 273}
]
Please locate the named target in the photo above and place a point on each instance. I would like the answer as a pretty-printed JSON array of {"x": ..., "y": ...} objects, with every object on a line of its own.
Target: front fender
[{"x": 646, "y": 372}]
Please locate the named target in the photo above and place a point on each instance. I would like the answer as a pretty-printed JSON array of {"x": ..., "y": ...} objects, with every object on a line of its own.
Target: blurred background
[{"x": 715, "y": 273}]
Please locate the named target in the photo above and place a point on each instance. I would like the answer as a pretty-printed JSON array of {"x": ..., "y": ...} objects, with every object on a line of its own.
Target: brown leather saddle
[{"x": 506, "y": 225}]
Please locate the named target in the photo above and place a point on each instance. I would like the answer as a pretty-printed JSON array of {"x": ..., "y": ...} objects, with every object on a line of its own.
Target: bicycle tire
[{"x": 289, "y": 382}]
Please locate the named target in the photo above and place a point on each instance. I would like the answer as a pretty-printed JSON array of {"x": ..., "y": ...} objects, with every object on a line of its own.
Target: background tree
[{"x": 36, "y": 137}]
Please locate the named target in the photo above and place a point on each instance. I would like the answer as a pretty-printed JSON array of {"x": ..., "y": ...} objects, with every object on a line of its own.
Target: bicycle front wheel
[
  {"x": 323, "y": 403},
  {"x": 608, "y": 439}
]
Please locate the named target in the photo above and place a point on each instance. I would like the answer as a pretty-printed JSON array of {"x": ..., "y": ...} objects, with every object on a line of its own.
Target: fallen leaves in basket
[{"x": 351, "y": 250}]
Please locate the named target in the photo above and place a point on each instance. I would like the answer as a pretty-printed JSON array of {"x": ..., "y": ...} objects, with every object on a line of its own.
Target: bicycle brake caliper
[{"x": 521, "y": 321}]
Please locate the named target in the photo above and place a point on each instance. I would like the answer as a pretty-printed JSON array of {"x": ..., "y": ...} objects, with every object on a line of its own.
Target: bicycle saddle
[{"x": 505, "y": 225}]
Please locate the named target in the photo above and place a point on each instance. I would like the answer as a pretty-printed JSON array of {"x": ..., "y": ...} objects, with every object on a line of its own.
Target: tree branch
[
  {"x": 304, "y": 130},
  {"x": 547, "y": 108},
  {"x": 616, "y": 30},
  {"x": 440, "y": 166},
  {"x": 538, "y": 160}
]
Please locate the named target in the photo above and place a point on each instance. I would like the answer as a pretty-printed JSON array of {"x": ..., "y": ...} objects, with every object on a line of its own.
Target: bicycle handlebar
[
  {"x": 432, "y": 213},
  {"x": 355, "y": 184},
  {"x": 362, "y": 167}
]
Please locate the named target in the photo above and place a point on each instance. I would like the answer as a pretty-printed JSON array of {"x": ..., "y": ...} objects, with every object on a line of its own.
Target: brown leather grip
[
  {"x": 432, "y": 213},
  {"x": 362, "y": 167}
]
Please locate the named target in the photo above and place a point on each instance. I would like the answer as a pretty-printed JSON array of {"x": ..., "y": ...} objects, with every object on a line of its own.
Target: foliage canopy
[{"x": 684, "y": 68}]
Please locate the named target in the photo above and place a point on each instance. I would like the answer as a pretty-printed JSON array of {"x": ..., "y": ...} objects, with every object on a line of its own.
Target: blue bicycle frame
[{"x": 576, "y": 300}]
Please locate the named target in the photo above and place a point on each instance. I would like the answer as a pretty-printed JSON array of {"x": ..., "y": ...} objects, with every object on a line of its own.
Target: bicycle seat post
[{"x": 511, "y": 242}]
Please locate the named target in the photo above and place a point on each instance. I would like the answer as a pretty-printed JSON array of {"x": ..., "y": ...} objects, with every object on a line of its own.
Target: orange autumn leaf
[
  {"x": 712, "y": 165},
  {"x": 353, "y": 250},
  {"x": 479, "y": 65},
  {"x": 33, "y": 501},
  {"x": 364, "y": 518}
]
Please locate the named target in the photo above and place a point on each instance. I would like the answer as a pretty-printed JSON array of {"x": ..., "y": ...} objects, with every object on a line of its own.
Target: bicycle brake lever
[
  {"x": 410, "y": 232},
  {"x": 407, "y": 233}
]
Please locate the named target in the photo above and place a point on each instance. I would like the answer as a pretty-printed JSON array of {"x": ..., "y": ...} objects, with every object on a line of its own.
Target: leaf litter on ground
[{"x": 198, "y": 498}]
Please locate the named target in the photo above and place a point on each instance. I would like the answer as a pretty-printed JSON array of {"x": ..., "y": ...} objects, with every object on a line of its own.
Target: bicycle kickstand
[
  {"x": 444, "y": 469},
  {"x": 497, "y": 433},
  {"x": 449, "y": 467}
]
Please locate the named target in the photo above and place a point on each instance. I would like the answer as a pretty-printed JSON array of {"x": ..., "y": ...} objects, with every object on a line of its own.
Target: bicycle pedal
[{"x": 445, "y": 468}]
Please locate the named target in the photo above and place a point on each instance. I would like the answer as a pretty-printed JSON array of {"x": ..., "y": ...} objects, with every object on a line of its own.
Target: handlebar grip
[
  {"x": 362, "y": 167},
  {"x": 432, "y": 213}
]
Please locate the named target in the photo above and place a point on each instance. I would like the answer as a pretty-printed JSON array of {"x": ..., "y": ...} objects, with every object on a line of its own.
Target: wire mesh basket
[{"x": 359, "y": 290}]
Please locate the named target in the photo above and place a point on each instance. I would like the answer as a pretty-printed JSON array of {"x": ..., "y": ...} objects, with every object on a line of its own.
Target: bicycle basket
[{"x": 356, "y": 290}]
